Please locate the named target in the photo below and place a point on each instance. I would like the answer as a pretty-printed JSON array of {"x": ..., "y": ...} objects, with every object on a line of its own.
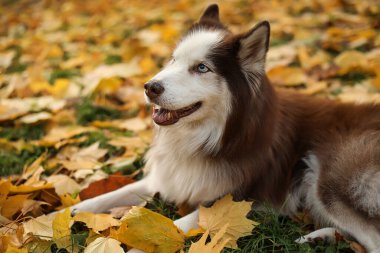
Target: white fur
[
  {"x": 327, "y": 234},
  {"x": 183, "y": 87},
  {"x": 129, "y": 195}
]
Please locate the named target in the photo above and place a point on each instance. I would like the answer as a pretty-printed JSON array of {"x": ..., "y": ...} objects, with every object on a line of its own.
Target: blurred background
[{"x": 72, "y": 67}]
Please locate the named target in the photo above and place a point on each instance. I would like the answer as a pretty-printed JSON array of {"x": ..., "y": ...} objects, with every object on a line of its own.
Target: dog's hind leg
[
  {"x": 132, "y": 194},
  {"x": 344, "y": 184}
]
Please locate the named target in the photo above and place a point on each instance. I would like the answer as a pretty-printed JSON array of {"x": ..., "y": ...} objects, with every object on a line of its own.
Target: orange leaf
[{"x": 113, "y": 182}]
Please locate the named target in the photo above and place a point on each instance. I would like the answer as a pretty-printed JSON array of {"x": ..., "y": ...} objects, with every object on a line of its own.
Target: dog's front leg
[
  {"x": 185, "y": 224},
  {"x": 129, "y": 195}
]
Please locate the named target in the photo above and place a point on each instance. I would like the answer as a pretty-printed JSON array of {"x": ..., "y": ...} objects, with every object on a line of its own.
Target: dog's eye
[{"x": 201, "y": 68}]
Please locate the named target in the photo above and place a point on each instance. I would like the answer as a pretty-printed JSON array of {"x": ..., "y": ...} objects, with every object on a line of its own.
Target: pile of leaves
[{"x": 74, "y": 124}]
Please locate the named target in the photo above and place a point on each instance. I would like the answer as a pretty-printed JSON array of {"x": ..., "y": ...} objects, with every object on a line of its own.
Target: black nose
[{"x": 153, "y": 89}]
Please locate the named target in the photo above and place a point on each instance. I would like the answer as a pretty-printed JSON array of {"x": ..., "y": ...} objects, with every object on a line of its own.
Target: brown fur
[{"x": 270, "y": 132}]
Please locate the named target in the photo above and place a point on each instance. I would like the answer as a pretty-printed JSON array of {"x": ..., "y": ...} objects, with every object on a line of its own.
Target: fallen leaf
[
  {"x": 103, "y": 244},
  {"x": 5, "y": 187},
  {"x": 357, "y": 248},
  {"x": 351, "y": 61},
  {"x": 113, "y": 182},
  {"x": 226, "y": 211},
  {"x": 11, "y": 249},
  {"x": 216, "y": 244},
  {"x": 98, "y": 222},
  {"x": 29, "y": 188},
  {"x": 33, "y": 206},
  {"x": 61, "y": 228},
  {"x": 149, "y": 231},
  {"x": 63, "y": 184},
  {"x": 287, "y": 76},
  {"x": 13, "y": 204},
  {"x": 35, "y": 117},
  {"x": 68, "y": 201},
  {"x": 41, "y": 227}
]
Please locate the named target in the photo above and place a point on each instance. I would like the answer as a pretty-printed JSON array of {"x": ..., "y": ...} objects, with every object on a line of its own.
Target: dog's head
[{"x": 209, "y": 72}]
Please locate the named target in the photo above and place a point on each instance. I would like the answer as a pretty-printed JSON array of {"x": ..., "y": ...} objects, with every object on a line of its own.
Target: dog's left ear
[
  {"x": 210, "y": 14},
  {"x": 254, "y": 47}
]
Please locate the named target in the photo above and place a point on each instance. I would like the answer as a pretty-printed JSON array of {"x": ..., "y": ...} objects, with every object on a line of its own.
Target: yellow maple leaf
[
  {"x": 149, "y": 231},
  {"x": 98, "y": 222},
  {"x": 61, "y": 228},
  {"x": 226, "y": 211},
  {"x": 214, "y": 246},
  {"x": 103, "y": 244}
]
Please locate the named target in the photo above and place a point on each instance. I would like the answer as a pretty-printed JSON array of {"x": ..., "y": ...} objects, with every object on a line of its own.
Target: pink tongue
[{"x": 164, "y": 117}]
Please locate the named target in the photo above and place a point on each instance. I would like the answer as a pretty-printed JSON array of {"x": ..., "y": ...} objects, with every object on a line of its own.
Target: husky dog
[{"x": 222, "y": 128}]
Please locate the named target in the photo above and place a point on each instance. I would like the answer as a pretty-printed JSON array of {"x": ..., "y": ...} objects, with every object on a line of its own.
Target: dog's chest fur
[{"x": 183, "y": 174}]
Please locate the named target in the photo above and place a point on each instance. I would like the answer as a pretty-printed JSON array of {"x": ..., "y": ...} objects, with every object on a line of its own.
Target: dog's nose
[{"x": 153, "y": 89}]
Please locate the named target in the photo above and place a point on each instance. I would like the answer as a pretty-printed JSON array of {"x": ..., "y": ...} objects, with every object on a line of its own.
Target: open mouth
[{"x": 165, "y": 117}]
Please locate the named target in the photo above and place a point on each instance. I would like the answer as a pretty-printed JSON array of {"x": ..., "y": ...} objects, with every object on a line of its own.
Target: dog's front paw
[{"x": 325, "y": 234}]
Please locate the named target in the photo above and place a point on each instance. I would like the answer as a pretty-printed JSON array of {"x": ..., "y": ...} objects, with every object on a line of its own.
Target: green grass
[
  {"x": 277, "y": 233},
  {"x": 112, "y": 59},
  {"x": 87, "y": 112},
  {"x": 63, "y": 73},
  {"x": 23, "y": 132},
  {"x": 14, "y": 162}
]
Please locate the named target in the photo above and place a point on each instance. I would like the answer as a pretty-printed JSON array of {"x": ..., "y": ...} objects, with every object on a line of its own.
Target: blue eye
[{"x": 201, "y": 68}]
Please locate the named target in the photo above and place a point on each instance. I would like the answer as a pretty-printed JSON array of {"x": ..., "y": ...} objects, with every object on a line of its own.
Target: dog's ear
[
  {"x": 254, "y": 47},
  {"x": 210, "y": 14}
]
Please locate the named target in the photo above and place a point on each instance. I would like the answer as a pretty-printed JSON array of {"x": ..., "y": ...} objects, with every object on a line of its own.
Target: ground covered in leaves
[{"x": 74, "y": 124}]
